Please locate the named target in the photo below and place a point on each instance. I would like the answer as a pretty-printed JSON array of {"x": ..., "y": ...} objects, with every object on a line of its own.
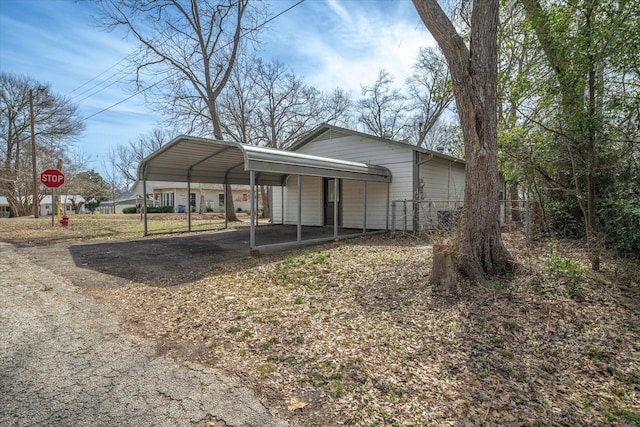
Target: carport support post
[
  {"x": 364, "y": 219},
  {"x": 299, "y": 230},
  {"x": 144, "y": 205},
  {"x": 189, "y": 202},
  {"x": 282, "y": 201},
  {"x": 252, "y": 209}
]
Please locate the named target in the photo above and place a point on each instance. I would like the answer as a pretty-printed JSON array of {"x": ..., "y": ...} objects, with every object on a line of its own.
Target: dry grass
[
  {"x": 351, "y": 334},
  {"x": 105, "y": 227}
]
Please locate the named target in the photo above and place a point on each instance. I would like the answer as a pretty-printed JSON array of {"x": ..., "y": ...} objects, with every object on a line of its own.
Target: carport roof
[{"x": 192, "y": 159}]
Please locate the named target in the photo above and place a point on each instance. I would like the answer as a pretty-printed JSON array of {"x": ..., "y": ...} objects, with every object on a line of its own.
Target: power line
[
  {"x": 96, "y": 77},
  {"x": 172, "y": 74}
]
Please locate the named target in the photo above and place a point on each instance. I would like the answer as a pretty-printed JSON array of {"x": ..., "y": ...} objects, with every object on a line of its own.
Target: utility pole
[{"x": 36, "y": 211}]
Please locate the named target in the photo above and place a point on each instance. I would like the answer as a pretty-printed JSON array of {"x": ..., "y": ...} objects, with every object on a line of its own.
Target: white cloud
[
  {"x": 339, "y": 10},
  {"x": 346, "y": 43}
]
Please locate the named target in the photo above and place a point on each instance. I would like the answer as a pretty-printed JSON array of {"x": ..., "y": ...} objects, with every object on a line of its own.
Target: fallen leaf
[{"x": 294, "y": 404}]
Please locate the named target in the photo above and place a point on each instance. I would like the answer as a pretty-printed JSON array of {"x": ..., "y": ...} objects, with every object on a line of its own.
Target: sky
[{"x": 329, "y": 43}]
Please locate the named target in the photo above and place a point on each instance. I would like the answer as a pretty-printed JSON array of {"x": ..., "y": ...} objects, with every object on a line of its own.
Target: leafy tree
[
  {"x": 473, "y": 69},
  {"x": 587, "y": 47},
  {"x": 56, "y": 125},
  {"x": 95, "y": 187}
]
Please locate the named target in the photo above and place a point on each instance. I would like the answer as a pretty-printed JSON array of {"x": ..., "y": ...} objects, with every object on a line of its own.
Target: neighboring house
[
  {"x": 5, "y": 210},
  {"x": 418, "y": 174},
  {"x": 178, "y": 195},
  {"x": 124, "y": 200},
  {"x": 67, "y": 202}
]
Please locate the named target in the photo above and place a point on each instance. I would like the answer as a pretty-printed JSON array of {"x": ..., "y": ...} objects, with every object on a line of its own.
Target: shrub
[
  {"x": 622, "y": 212},
  {"x": 150, "y": 209}
]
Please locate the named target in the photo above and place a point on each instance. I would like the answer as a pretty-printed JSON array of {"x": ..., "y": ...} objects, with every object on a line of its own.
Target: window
[
  {"x": 221, "y": 200},
  {"x": 192, "y": 199},
  {"x": 167, "y": 199},
  {"x": 245, "y": 197}
]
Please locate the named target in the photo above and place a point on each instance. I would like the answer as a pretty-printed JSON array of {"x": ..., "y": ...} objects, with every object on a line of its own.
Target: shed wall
[
  {"x": 312, "y": 203},
  {"x": 398, "y": 159},
  {"x": 442, "y": 180}
]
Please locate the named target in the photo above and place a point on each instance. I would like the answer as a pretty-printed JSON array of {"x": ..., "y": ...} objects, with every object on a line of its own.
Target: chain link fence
[{"x": 441, "y": 216}]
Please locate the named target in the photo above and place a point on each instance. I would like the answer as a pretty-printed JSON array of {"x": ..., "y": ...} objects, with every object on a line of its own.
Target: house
[
  {"x": 66, "y": 202},
  {"x": 122, "y": 201},
  {"x": 5, "y": 208},
  {"x": 426, "y": 186},
  {"x": 196, "y": 195},
  {"x": 333, "y": 177}
]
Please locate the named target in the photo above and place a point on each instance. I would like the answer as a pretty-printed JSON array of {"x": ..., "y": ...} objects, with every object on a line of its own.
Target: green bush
[
  {"x": 160, "y": 209},
  {"x": 622, "y": 212},
  {"x": 150, "y": 209}
]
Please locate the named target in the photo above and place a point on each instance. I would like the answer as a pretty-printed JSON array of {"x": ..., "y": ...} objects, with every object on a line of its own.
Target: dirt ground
[
  {"x": 168, "y": 260},
  {"x": 351, "y": 333}
]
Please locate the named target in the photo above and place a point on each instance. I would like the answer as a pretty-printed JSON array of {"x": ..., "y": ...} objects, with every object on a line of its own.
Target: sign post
[{"x": 52, "y": 178}]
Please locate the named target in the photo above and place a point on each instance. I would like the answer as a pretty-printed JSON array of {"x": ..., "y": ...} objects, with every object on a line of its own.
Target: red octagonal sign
[{"x": 52, "y": 178}]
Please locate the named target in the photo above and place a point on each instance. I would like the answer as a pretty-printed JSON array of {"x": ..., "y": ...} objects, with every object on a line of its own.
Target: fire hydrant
[{"x": 65, "y": 220}]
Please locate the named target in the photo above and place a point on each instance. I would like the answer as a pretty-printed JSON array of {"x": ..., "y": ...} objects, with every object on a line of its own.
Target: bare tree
[
  {"x": 189, "y": 49},
  {"x": 239, "y": 102},
  {"x": 56, "y": 125},
  {"x": 126, "y": 158},
  {"x": 382, "y": 110},
  {"x": 267, "y": 104},
  {"x": 445, "y": 136},
  {"x": 114, "y": 179},
  {"x": 76, "y": 185},
  {"x": 289, "y": 107},
  {"x": 473, "y": 69},
  {"x": 429, "y": 88}
]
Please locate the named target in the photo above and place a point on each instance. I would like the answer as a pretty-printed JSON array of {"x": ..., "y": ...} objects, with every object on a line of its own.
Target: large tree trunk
[
  {"x": 229, "y": 206},
  {"x": 266, "y": 201},
  {"x": 474, "y": 77}
]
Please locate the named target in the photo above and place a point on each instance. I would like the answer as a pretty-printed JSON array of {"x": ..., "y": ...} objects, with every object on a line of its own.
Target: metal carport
[{"x": 192, "y": 159}]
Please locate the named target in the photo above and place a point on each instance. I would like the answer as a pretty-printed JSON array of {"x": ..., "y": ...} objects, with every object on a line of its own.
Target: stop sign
[{"x": 52, "y": 178}]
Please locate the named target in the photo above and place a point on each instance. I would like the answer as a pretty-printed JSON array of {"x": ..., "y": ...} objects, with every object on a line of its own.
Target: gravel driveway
[{"x": 65, "y": 361}]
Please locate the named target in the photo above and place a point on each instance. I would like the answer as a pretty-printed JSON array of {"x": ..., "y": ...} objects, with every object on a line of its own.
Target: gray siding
[
  {"x": 441, "y": 179},
  {"x": 398, "y": 159},
  {"x": 312, "y": 203}
]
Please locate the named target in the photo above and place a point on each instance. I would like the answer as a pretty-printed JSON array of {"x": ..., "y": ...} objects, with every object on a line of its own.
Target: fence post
[
  {"x": 404, "y": 212},
  {"x": 393, "y": 218}
]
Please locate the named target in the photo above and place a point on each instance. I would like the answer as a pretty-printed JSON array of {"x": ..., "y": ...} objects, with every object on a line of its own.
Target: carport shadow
[
  {"x": 176, "y": 259},
  {"x": 160, "y": 261}
]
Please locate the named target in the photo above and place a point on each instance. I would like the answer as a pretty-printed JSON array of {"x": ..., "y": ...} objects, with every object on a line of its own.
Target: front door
[{"x": 330, "y": 200}]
